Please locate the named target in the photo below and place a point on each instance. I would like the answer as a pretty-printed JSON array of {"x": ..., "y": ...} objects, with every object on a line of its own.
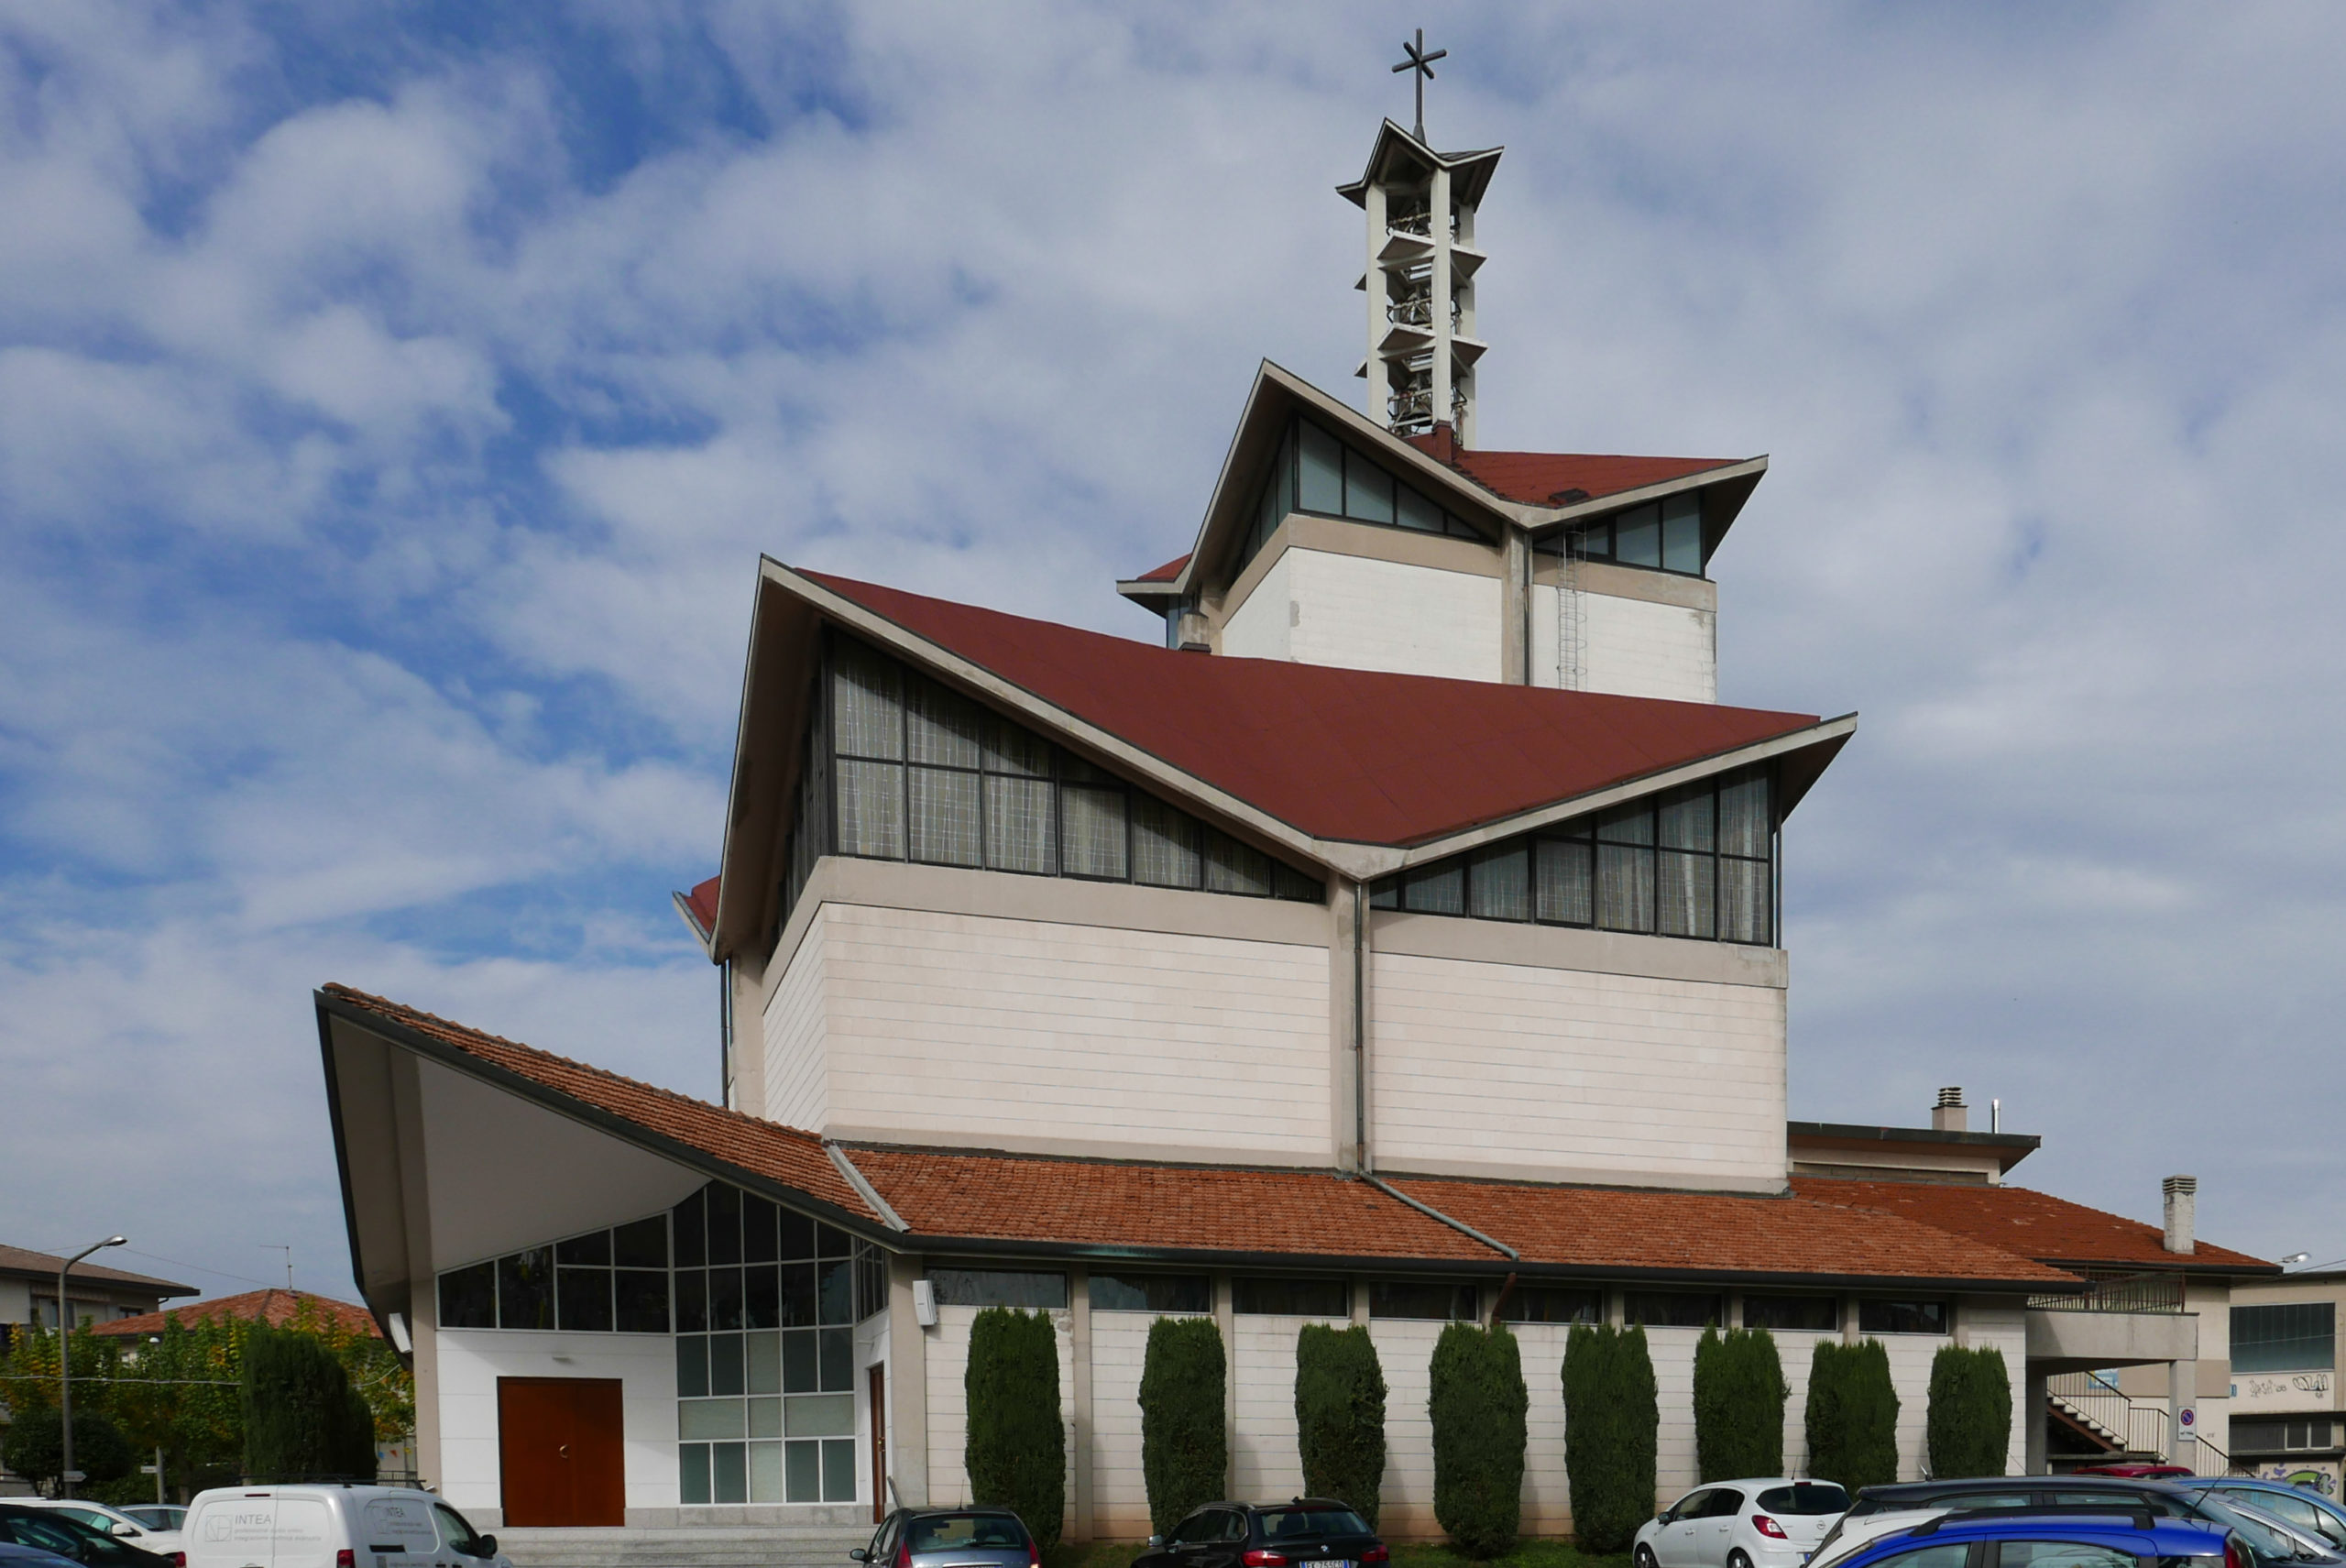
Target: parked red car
[{"x": 2144, "y": 1472}]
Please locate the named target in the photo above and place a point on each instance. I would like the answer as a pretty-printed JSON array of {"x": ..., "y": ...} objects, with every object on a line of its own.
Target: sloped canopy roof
[{"x": 963, "y": 1200}]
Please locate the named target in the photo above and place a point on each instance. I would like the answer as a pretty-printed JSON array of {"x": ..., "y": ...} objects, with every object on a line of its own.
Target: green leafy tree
[
  {"x": 1340, "y": 1416},
  {"x": 1016, "y": 1447},
  {"x": 1479, "y": 1403},
  {"x": 1852, "y": 1417},
  {"x": 1740, "y": 1395},
  {"x": 302, "y": 1418},
  {"x": 35, "y": 1448},
  {"x": 1612, "y": 1416},
  {"x": 1970, "y": 1424},
  {"x": 1184, "y": 1447}
]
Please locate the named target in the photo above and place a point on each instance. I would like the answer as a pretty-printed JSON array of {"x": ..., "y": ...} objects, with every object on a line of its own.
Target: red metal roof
[
  {"x": 1546, "y": 478},
  {"x": 780, "y": 1154},
  {"x": 702, "y": 901},
  {"x": 2035, "y": 1225},
  {"x": 1357, "y": 755},
  {"x": 274, "y": 1307},
  {"x": 1612, "y": 1229},
  {"x": 1165, "y": 574}
]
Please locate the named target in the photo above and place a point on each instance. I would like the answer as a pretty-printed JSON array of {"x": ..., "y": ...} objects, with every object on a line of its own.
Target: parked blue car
[
  {"x": 2308, "y": 1510},
  {"x": 2085, "y": 1536}
]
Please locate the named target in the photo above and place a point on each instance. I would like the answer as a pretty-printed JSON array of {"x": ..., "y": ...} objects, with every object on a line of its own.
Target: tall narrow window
[
  {"x": 1625, "y": 870},
  {"x": 1021, "y": 818},
  {"x": 1499, "y": 881},
  {"x": 1682, "y": 534},
  {"x": 1320, "y": 471},
  {"x": 1091, "y": 807},
  {"x": 1687, "y": 869},
  {"x": 1565, "y": 880},
  {"x": 944, "y": 731},
  {"x": 868, "y": 719},
  {"x": 1165, "y": 845}
]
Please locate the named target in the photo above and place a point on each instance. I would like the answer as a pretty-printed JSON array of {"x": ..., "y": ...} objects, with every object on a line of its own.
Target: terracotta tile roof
[
  {"x": 1547, "y": 478},
  {"x": 1358, "y": 755},
  {"x": 2034, "y": 1223},
  {"x": 780, "y": 1154},
  {"x": 274, "y": 1307},
  {"x": 1612, "y": 1230},
  {"x": 1165, "y": 574},
  {"x": 1287, "y": 1213},
  {"x": 44, "y": 1266}
]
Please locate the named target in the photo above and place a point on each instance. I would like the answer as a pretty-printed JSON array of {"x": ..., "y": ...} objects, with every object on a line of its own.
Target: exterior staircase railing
[{"x": 2131, "y": 1427}]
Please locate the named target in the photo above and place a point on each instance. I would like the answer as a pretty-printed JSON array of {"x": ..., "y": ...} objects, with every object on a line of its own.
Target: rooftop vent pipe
[
  {"x": 1949, "y": 1114},
  {"x": 2182, "y": 1210}
]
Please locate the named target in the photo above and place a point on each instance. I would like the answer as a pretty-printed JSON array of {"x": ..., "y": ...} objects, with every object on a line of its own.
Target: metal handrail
[{"x": 2121, "y": 1293}]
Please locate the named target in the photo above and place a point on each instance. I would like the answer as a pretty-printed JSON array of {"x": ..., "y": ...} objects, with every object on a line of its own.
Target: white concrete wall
[
  {"x": 1264, "y": 1460},
  {"x": 1673, "y": 1350},
  {"x": 948, "y": 1360},
  {"x": 797, "y": 1087},
  {"x": 1797, "y": 1351},
  {"x": 978, "y": 1030},
  {"x": 472, "y": 1360},
  {"x": 1632, "y": 647},
  {"x": 1910, "y": 1374},
  {"x": 1571, "y": 1073},
  {"x": 1119, "y": 1489},
  {"x": 1257, "y": 626},
  {"x": 1405, "y": 1349},
  {"x": 1358, "y": 613},
  {"x": 2003, "y": 1329}
]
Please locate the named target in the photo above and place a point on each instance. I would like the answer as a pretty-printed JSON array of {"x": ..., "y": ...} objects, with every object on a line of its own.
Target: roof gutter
[{"x": 1461, "y": 1226}]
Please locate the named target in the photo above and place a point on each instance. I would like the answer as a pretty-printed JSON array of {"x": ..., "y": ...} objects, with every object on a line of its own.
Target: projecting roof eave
[
  {"x": 2010, "y": 1148},
  {"x": 1470, "y": 172},
  {"x": 793, "y": 605}
]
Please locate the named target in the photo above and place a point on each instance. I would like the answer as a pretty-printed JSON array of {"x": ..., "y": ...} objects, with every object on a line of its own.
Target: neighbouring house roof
[
  {"x": 2035, "y": 1225},
  {"x": 274, "y": 1307},
  {"x": 1612, "y": 1231},
  {"x": 1363, "y": 756},
  {"x": 974, "y": 1201},
  {"x": 758, "y": 1148},
  {"x": 24, "y": 1262}
]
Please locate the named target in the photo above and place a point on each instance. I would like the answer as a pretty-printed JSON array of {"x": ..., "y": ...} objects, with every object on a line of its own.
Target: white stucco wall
[
  {"x": 1559, "y": 1070},
  {"x": 978, "y": 1030},
  {"x": 471, "y": 1361},
  {"x": 1355, "y": 612},
  {"x": 1631, "y": 647}
]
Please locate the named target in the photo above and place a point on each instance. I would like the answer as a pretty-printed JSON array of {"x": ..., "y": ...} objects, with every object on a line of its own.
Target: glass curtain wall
[
  {"x": 899, "y": 768},
  {"x": 1315, "y": 472},
  {"x": 1698, "y": 861}
]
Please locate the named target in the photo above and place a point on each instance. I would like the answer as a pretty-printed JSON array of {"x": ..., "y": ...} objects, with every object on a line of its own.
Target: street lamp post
[{"x": 65, "y": 1363}]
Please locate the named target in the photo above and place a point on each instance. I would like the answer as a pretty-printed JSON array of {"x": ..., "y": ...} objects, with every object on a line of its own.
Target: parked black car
[
  {"x": 1304, "y": 1532},
  {"x": 964, "y": 1538},
  {"x": 47, "y": 1529}
]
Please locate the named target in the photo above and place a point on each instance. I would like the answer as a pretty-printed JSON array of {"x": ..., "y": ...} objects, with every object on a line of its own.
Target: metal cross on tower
[{"x": 1422, "y": 63}]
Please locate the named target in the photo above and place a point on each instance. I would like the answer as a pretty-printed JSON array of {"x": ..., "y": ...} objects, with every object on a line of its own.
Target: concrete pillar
[
  {"x": 1438, "y": 210},
  {"x": 2182, "y": 1448},
  {"x": 2036, "y": 1409},
  {"x": 1379, "y": 385},
  {"x": 1514, "y": 612},
  {"x": 1078, "y": 1430},
  {"x": 907, "y": 1387}
]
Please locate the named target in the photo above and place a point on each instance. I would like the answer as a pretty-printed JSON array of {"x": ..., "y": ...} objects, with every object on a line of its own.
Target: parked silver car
[{"x": 951, "y": 1538}]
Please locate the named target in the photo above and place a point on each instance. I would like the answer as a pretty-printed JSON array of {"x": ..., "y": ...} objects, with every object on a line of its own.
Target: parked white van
[{"x": 331, "y": 1527}]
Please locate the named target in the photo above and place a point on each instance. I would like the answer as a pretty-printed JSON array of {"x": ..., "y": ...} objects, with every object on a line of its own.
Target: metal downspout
[
  {"x": 1431, "y": 1213},
  {"x": 1360, "y": 1027}
]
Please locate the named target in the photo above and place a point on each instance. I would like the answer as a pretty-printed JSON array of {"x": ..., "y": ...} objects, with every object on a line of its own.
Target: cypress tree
[
  {"x": 1184, "y": 1448},
  {"x": 1740, "y": 1395},
  {"x": 1478, "y": 1403},
  {"x": 302, "y": 1418},
  {"x": 1611, "y": 1418},
  {"x": 1852, "y": 1417},
  {"x": 1969, "y": 1423},
  {"x": 1340, "y": 1416},
  {"x": 1016, "y": 1447}
]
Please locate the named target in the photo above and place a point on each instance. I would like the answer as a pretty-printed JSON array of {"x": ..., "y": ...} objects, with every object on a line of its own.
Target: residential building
[
  {"x": 2287, "y": 1421},
  {"x": 95, "y": 1293},
  {"x": 1400, "y": 944}
]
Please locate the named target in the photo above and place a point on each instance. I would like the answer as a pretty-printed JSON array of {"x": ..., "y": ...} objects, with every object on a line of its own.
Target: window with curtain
[
  {"x": 1698, "y": 861},
  {"x": 1315, "y": 472},
  {"x": 900, "y": 767}
]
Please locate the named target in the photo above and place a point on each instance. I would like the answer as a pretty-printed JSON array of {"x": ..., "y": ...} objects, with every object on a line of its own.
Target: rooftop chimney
[
  {"x": 2182, "y": 1209},
  {"x": 1949, "y": 1116}
]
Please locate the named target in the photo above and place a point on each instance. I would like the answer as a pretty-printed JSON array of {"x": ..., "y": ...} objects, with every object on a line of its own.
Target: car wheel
[
  {"x": 1736, "y": 1559},
  {"x": 1645, "y": 1558}
]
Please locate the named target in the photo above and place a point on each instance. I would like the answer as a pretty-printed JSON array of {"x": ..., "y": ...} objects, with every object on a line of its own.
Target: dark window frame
[
  {"x": 1401, "y": 892},
  {"x": 1877, "y": 1313},
  {"x": 2264, "y": 1329},
  {"x": 1283, "y": 480},
  {"x": 1576, "y": 541}
]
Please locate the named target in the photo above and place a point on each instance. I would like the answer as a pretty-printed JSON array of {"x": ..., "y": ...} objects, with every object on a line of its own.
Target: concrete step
[{"x": 687, "y": 1546}]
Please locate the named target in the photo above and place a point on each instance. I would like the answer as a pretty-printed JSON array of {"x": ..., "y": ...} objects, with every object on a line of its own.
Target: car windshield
[
  {"x": 1806, "y": 1497},
  {"x": 47, "y": 1532},
  {"x": 955, "y": 1532},
  {"x": 1302, "y": 1524}
]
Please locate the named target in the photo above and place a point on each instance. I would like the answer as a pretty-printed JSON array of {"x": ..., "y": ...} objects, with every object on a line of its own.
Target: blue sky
[{"x": 393, "y": 406}]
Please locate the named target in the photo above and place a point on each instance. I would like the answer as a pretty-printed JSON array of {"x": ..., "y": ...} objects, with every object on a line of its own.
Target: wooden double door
[{"x": 560, "y": 1445}]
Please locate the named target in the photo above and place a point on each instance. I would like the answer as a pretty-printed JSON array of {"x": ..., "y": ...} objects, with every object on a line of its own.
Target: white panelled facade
[
  {"x": 1513, "y": 1068},
  {"x": 1604, "y": 643},
  {"x": 1356, "y": 612}
]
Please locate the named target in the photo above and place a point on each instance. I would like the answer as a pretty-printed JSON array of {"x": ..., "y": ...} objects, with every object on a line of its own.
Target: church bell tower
[{"x": 1423, "y": 261}]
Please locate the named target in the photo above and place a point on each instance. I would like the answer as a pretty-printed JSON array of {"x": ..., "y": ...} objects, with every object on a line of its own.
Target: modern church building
[{"x": 1397, "y": 940}]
